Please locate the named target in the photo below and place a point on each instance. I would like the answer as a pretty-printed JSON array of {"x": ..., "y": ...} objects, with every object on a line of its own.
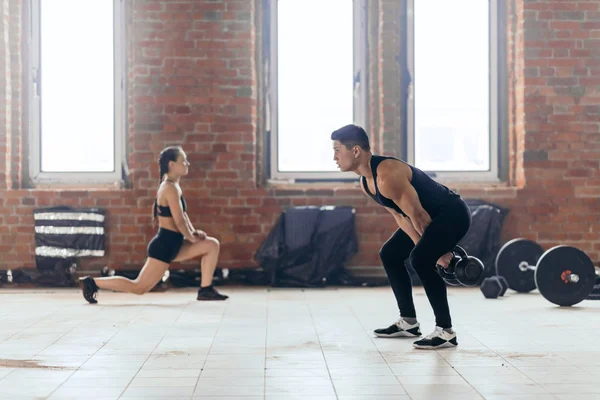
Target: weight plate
[
  {"x": 448, "y": 275},
  {"x": 553, "y": 269},
  {"x": 459, "y": 251},
  {"x": 469, "y": 271},
  {"x": 452, "y": 282},
  {"x": 504, "y": 284},
  {"x": 511, "y": 255}
]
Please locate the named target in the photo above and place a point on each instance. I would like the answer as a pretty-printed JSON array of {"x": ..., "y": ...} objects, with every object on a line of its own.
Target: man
[{"x": 431, "y": 218}]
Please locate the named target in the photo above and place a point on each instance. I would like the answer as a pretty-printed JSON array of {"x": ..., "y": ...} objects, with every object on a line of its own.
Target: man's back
[{"x": 432, "y": 195}]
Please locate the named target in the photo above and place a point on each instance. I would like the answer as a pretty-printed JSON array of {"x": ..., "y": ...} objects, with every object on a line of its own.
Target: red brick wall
[
  {"x": 193, "y": 82},
  {"x": 562, "y": 122}
]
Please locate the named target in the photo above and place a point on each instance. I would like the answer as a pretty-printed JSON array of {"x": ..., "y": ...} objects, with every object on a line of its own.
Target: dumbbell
[
  {"x": 494, "y": 287},
  {"x": 462, "y": 270},
  {"x": 564, "y": 275}
]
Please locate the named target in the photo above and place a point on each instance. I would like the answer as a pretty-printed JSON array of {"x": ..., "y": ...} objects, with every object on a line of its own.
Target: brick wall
[
  {"x": 193, "y": 80},
  {"x": 561, "y": 122}
]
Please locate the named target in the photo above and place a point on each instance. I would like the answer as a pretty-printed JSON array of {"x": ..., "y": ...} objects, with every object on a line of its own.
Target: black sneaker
[
  {"x": 400, "y": 328},
  {"x": 438, "y": 339},
  {"x": 89, "y": 288},
  {"x": 210, "y": 294}
]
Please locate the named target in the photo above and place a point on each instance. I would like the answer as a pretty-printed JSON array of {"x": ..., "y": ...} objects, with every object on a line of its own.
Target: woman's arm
[{"x": 179, "y": 217}]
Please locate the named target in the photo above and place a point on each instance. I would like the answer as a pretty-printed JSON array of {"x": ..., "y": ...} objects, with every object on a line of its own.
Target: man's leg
[
  {"x": 439, "y": 238},
  {"x": 423, "y": 259},
  {"x": 393, "y": 255}
]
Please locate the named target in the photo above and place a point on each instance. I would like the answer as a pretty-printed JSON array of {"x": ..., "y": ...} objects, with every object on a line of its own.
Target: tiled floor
[{"x": 289, "y": 344}]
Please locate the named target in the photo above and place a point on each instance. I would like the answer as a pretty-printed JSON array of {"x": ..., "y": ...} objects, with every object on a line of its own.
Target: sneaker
[
  {"x": 89, "y": 288},
  {"x": 210, "y": 294},
  {"x": 400, "y": 328},
  {"x": 438, "y": 339}
]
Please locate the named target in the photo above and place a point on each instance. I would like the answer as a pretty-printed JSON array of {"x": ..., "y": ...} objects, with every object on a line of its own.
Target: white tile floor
[{"x": 291, "y": 344}]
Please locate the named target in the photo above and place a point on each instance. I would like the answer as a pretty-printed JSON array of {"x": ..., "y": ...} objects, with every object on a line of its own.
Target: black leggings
[{"x": 443, "y": 233}]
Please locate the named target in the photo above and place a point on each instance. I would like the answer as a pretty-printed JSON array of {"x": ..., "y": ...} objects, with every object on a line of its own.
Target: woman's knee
[
  {"x": 215, "y": 245},
  {"x": 140, "y": 288}
]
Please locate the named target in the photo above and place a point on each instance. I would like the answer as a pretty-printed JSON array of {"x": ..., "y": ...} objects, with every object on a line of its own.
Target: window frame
[
  {"x": 495, "y": 103},
  {"x": 360, "y": 105},
  {"x": 36, "y": 175}
]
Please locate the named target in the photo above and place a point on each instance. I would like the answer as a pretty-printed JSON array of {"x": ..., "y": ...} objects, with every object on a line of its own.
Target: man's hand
[
  {"x": 444, "y": 260},
  {"x": 394, "y": 183},
  {"x": 421, "y": 223},
  {"x": 406, "y": 225},
  {"x": 200, "y": 234}
]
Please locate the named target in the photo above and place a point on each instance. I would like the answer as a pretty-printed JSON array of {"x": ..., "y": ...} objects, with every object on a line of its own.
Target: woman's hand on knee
[
  {"x": 200, "y": 234},
  {"x": 192, "y": 239}
]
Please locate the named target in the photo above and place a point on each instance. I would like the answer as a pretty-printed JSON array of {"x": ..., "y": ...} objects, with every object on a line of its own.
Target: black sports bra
[{"x": 165, "y": 211}]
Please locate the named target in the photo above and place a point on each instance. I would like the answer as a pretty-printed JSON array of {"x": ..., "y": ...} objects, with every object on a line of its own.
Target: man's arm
[
  {"x": 393, "y": 183},
  {"x": 405, "y": 224},
  {"x": 408, "y": 228}
]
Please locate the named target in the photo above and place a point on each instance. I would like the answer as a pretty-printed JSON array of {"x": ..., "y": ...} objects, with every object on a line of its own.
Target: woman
[{"x": 176, "y": 240}]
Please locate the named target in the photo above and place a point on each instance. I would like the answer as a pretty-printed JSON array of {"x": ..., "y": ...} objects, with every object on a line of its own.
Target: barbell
[{"x": 564, "y": 275}]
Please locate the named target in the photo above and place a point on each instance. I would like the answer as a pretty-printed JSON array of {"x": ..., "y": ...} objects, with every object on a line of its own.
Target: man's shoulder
[{"x": 393, "y": 167}]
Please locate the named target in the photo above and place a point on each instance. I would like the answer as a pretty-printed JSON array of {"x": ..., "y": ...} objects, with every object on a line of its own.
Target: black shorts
[{"x": 165, "y": 245}]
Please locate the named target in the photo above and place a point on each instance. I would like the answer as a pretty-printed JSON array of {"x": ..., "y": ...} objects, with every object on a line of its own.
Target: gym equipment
[
  {"x": 564, "y": 275},
  {"x": 493, "y": 287},
  {"x": 513, "y": 260},
  {"x": 595, "y": 294},
  {"x": 504, "y": 285},
  {"x": 64, "y": 235},
  {"x": 463, "y": 269},
  {"x": 6, "y": 276}
]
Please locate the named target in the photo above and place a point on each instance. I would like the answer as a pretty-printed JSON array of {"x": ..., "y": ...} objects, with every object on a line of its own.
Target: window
[
  {"x": 453, "y": 97},
  {"x": 77, "y": 102},
  {"x": 317, "y": 63}
]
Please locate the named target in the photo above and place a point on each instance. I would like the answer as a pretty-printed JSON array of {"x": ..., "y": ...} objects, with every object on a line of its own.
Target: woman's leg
[
  {"x": 149, "y": 276},
  {"x": 208, "y": 249}
]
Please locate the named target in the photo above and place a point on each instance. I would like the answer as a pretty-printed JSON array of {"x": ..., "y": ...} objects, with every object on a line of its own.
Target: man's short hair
[{"x": 352, "y": 135}]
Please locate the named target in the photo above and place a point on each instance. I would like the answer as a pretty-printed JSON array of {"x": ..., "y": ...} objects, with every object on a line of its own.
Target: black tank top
[{"x": 432, "y": 195}]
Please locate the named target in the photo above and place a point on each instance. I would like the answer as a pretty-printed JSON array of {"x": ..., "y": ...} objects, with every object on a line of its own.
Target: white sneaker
[
  {"x": 438, "y": 339},
  {"x": 400, "y": 328}
]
